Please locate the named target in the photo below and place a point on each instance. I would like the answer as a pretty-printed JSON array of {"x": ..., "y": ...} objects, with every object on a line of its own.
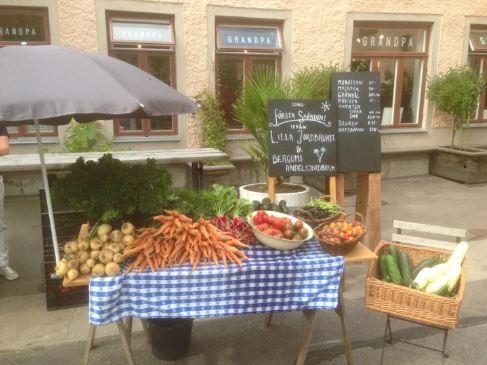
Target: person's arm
[{"x": 4, "y": 145}]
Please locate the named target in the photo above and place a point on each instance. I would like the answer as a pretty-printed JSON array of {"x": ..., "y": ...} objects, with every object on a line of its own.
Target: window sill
[
  {"x": 476, "y": 125},
  {"x": 130, "y": 139},
  {"x": 33, "y": 140},
  {"x": 239, "y": 137},
  {"x": 402, "y": 130}
]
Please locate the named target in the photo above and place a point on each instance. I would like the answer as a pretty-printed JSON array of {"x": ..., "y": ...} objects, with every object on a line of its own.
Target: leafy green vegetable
[
  {"x": 330, "y": 208},
  {"x": 107, "y": 189},
  {"x": 212, "y": 203}
]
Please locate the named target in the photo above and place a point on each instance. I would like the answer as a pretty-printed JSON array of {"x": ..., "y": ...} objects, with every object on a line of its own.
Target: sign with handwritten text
[
  {"x": 357, "y": 97},
  {"x": 302, "y": 137}
]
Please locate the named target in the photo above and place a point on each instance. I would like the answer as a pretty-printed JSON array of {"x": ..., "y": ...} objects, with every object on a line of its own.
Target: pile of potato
[{"x": 98, "y": 256}]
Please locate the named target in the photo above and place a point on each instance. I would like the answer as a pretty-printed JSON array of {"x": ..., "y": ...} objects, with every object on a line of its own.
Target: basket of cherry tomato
[
  {"x": 341, "y": 236},
  {"x": 278, "y": 230}
]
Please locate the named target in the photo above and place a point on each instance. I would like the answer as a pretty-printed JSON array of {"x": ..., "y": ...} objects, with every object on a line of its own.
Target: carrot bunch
[{"x": 180, "y": 240}]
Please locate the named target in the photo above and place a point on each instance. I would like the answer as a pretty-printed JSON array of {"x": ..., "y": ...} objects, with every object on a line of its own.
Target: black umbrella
[{"x": 52, "y": 84}]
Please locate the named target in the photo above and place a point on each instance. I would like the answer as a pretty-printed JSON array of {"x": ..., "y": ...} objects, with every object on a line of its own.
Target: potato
[
  {"x": 90, "y": 262},
  {"x": 104, "y": 237},
  {"x": 127, "y": 228},
  {"x": 71, "y": 257},
  {"x": 116, "y": 247},
  {"x": 98, "y": 270},
  {"x": 116, "y": 236},
  {"x": 112, "y": 269},
  {"x": 83, "y": 245},
  {"x": 82, "y": 257},
  {"x": 73, "y": 274},
  {"x": 62, "y": 268},
  {"x": 73, "y": 245},
  {"x": 67, "y": 248},
  {"x": 104, "y": 229},
  {"x": 117, "y": 258},
  {"x": 94, "y": 254},
  {"x": 128, "y": 240},
  {"x": 84, "y": 269},
  {"x": 96, "y": 243},
  {"x": 72, "y": 264},
  {"x": 106, "y": 256}
]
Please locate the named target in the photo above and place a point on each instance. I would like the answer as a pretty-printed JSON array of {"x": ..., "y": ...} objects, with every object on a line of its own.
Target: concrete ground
[{"x": 31, "y": 335}]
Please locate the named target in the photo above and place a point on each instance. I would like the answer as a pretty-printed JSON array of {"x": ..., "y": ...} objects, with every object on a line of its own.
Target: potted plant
[
  {"x": 457, "y": 92},
  {"x": 251, "y": 110},
  {"x": 214, "y": 131}
]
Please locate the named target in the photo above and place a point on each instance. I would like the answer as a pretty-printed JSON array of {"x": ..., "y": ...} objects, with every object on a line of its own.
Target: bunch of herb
[
  {"x": 320, "y": 208},
  {"x": 107, "y": 189}
]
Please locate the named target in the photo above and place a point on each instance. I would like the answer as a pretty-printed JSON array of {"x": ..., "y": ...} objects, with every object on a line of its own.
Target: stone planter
[
  {"x": 463, "y": 166},
  {"x": 294, "y": 199}
]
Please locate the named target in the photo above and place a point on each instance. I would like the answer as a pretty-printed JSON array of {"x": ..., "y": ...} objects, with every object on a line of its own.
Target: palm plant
[{"x": 264, "y": 85}]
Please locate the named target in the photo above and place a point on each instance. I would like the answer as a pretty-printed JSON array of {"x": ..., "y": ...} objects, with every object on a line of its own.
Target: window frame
[
  {"x": 249, "y": 55},
  {"x": 143, "y": 53},
  {"x": 400, "y": 58},
  {"x": 29, "y": 10},
  {"x": 483, "y": 56}
]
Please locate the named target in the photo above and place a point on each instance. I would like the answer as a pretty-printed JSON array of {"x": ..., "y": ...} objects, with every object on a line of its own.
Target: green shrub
[
  {"x": 456, "y": 92},
  {"x": 86, "y": 137}
]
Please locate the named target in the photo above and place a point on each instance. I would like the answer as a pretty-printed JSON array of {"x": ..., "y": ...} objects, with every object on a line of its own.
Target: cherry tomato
[
  {"x": 261, "y": 212},
  {"x": 298, "y": 225},
  {"x": 257, "y": 219},
  {"x": 277, "y": 223},
  {"x": 286, "y": 221},
  {"x": 262, "y": 227},
  {"x": 303, "y": 232},
  {"x": 288, "y": 234}
]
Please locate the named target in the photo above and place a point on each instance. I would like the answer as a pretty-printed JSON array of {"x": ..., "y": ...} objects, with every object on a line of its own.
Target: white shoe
[{"x": 8, "y": 273}]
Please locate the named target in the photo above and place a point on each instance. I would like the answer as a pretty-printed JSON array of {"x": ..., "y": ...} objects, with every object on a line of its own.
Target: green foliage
[
  {"x": 457, "y": 93},
  {"x": 219, "y": 201},
  {"x": 86, "y": 137},
  {"x": 265, "y": 84},
  {"x": 107, "y": 189}
]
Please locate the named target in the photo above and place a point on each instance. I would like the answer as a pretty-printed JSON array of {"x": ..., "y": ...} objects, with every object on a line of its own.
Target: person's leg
[{"x": 5, "y": 270}]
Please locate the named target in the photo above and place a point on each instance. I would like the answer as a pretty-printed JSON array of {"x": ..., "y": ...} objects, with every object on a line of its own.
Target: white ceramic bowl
[{"x": 279, "y": 243}]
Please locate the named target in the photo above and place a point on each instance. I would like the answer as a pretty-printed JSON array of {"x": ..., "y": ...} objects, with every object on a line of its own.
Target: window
[
  {"x": 477, "y": 59},
  {"x": 399, "y": 52},
  {"x": 242, "y": 48},
  {"x": 146, "y": 42},
  {"x": 26, "y": 26}
]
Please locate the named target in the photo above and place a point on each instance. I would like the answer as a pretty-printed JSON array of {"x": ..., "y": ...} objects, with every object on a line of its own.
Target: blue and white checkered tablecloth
[{"x": 270, "y": 281}]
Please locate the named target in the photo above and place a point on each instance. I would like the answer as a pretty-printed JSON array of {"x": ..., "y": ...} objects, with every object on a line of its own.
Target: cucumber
[
  {"x": 393, "y": 269},
  {"x": 392, "y": 250},
  {"x": 384, "y": 275},
  {"x": 405, "y": 267},
  {"x": 432, "y": 261}
]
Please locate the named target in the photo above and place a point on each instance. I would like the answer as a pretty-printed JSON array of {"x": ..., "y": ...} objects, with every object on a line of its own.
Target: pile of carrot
[{"x": 179, "y": 240}]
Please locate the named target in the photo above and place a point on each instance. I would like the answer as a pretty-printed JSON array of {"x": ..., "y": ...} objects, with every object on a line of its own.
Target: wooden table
[
  {"x": 358, "y": 255},
  {"x": 60, "y": 161}
]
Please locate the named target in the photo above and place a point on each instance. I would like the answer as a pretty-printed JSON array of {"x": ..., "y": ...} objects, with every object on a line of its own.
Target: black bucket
[{"x": 170, "y": 338}]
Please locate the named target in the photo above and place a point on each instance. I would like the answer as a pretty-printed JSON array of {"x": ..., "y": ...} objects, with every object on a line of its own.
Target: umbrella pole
[{"x": 47, "y": 191}]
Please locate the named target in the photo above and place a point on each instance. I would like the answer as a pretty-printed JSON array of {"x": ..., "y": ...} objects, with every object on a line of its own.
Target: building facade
[{"x": 195, "y": 45}]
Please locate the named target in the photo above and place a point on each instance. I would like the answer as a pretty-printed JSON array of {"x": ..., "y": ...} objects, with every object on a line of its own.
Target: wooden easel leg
[
  {"x": 308, "y": 333},
  {"x": 340, "y": 311},
  {"x": 337, "y": 189},
  {"x": 125, "y": 342},
  {"x": 145, "y": 326},
  {"x": 373, "y": 219},
  {"x": 268, "y": 320},
  {"x": 128, "y": 329},
  {"x": 271, "y": 188},
  {"x": 89, "y": 344},
  {"x": 362, "y": 202}
]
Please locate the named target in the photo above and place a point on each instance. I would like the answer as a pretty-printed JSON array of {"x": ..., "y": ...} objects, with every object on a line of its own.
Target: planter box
[
  {"x": 293, "y": 200},
  {"x": 463, "y": 166}
]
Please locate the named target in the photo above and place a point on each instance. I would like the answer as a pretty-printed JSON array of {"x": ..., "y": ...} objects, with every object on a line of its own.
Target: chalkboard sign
[
  {"x": 302, "y": 137},
  {"x": 357, "y": 97}
]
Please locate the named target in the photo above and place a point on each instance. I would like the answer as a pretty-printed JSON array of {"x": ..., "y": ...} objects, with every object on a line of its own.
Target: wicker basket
[
  {"x": 308, "y": 218},
  {"x": 412, "y": 304},
  {"x": 339, "y": 249}
]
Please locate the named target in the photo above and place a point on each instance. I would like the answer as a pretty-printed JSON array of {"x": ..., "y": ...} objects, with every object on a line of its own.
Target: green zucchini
[
  {"x": 393, "y": 269},
  {"x": 384, "y": 275},
  {"x": 394, "y": 252},
  {"x": 407, "y": 279},
  {"x": 432, "y": 261}
]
